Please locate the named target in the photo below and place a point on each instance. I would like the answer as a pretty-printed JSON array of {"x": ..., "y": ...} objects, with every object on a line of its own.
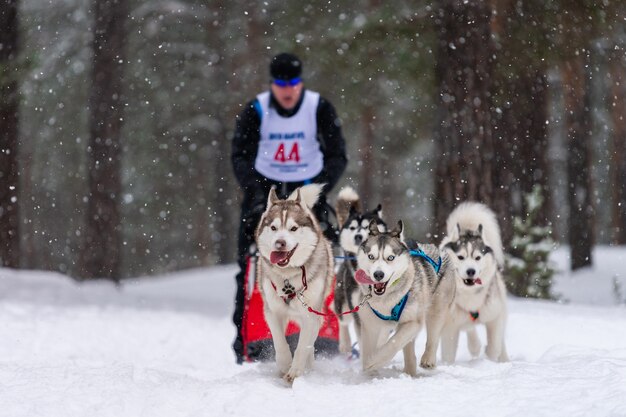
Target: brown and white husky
[{"x": 295, "y": 271}]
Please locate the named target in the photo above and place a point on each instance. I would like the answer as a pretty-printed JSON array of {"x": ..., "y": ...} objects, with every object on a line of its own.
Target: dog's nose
[
  {"x": 280, "y": 244},
  {"x": 358, "y": 239},
  {"x": 471, "y": 272},
  {"x": 378, "y": 275}
]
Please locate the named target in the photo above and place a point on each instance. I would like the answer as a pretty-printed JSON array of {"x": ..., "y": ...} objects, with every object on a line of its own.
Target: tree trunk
[
  {"x": 101, "y": 253},
  {"x": 252, "y": 67},
  {"x": 535, "y": 154},
  {"x": 9, "y": 101},
  {"x": 578, "y": 126},
  {"x": 528, "y": 154},
  {"x": 617, "y": 168},
  {"x": 521, "y": 142},
  {"x": 368, "y": 164},
  {"x": 463, "y": 135}
]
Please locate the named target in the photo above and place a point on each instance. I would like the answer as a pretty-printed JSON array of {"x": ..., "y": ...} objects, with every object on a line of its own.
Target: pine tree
[{"x": 529, "y": 271}]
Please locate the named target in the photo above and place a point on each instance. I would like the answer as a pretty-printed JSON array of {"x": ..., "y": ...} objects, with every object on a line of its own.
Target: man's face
[{"x": 287, "y": 95}]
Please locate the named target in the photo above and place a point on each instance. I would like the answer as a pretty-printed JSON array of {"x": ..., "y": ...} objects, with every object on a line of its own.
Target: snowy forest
[{"x": 116, "y": 119}]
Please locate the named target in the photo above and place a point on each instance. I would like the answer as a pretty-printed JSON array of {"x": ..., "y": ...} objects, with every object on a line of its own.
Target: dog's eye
[
  {"x": 294, "y": 228},
  {"x": 370, "y": 257},
  {"x": 477, "y": 258},
  {"x": 391, "y": 258},
  {"x": 273, "y": 228},
  {"x": 352, "y": 228},
  {"x": 461, "y": 257}
]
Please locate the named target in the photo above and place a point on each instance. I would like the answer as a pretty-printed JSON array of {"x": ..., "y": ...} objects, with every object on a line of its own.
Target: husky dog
[
  {"x": 405, "y": 293},
  {"x": 354, "y": 230},
  {"x": 475, "y": 247},
  {"x": 295, "y": 271}
]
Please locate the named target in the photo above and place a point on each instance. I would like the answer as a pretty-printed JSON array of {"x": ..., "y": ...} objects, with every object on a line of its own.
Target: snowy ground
[{"x": 161, "y": 347}]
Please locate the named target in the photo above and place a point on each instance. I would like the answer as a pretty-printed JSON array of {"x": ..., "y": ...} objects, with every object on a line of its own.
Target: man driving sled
[{"x": 286, "y": 137}]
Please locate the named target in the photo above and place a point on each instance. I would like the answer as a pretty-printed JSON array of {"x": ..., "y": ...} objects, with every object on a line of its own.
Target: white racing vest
[{"x": 288, "y": 147}]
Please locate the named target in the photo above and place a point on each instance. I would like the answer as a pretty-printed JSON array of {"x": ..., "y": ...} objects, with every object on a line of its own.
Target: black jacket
[{"x": 246, "y": 143}]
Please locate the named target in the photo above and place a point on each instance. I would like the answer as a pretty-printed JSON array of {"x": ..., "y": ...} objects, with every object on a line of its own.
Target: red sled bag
[{"x": 257, "y": 339}]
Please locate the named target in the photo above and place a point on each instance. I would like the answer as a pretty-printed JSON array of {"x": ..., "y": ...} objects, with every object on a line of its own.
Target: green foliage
[{"x": 528, "y": 269}]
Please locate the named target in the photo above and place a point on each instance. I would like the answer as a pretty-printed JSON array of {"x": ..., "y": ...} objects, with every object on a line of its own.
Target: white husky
[
  {"x": 405, "y": 293},
  {"x": 295, "y": 270},
  {"x": 475, "y": 247}
]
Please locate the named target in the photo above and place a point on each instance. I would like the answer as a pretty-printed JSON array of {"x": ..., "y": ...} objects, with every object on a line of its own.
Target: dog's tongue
[
  {"x": 478, "y": 281},
  {"x": 278, "y": 256},
  {"x": 362, "y": 278}
]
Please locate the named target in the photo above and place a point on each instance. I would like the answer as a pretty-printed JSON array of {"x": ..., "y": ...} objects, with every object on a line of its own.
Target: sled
[{"x": 257, "y": 338}]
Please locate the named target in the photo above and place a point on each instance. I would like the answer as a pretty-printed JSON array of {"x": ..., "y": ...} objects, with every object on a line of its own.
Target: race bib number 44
[{"x": 281, "y": 154}]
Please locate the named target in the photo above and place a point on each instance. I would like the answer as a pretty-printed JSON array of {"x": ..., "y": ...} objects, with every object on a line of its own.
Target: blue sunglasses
[{"x": 285, "y": 83}]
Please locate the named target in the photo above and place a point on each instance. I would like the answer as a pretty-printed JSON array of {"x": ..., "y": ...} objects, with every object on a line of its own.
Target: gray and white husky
[
  {"x": 295, "y": 271},
  {"x": 354, "y": 230},
  {"x": 475, "y": 247},
  {"x": 405, "y": 293}
]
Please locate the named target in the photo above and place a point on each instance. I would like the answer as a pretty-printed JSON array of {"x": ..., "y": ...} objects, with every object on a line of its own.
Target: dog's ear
[
  {"x": 397, "y": 231},
  {"x": 298, "y": 196},
  {"x": 453, "y": 246},
  {"x": 374, "y": 228},
  {"x": 379, "y": 211},
  {"x": 272, "y": 198}
]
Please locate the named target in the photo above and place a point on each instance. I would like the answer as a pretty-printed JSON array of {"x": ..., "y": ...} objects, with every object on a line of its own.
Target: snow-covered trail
[{"x": 161, "y": 347}]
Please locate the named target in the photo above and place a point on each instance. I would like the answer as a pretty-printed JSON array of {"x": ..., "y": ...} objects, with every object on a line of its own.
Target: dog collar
[
  {"x": 421, "y": 254},
  {"x": 396, "y": 311}
]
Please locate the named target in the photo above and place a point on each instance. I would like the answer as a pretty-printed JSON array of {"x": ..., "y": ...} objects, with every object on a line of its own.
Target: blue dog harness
[
  {"x": 396, "y": 311},
  {"x": 421, "y": 254}
]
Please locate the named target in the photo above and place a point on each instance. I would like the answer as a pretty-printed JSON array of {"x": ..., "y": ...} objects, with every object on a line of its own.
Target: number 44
[{"x": 294, "y": 153}]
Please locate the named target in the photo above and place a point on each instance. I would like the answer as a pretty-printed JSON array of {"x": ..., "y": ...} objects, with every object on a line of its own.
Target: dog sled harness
[
  {"x": 396, "y": 311},
  {"x": 421, "y": 254},
  {"x": 289, "y": 295}
]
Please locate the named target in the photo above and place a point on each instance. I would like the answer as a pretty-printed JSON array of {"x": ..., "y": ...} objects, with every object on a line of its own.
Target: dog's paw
[
  {"x": 292, "y": 375},
  {"x": 410, "y": 370},
  {"x": 372, "y": 366},
  {"x": 428, "y": 362},
  {"x": 493, "y": 353}
]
